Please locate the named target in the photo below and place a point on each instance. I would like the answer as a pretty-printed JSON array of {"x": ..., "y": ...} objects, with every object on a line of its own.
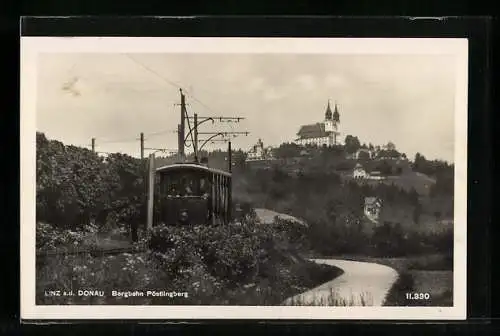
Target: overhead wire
[
  {"x": 170, "y": 82},
  {"x": 176, "y": 85}
]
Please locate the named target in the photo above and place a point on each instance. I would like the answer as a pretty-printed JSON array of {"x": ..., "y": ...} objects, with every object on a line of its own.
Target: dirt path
[{"x": 361, "y": 284}]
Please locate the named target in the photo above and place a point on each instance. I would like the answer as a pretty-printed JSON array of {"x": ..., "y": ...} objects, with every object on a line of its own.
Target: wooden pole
[
  {"x": 195, "y": 144},
  {"x": 179, "y": 142},
  {"x": 229, "y": 158},
  {"x": 151, "y": 189},
  {"x": 142, "y": 145},
  {"x": 182, "y": 126}
]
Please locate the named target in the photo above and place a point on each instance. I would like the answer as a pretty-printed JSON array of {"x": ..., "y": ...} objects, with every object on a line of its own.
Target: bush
[
  {"x": 76, "y": 187},
  {"x": 49, "y": 238},
  {"x": 254, "y": 264},
  {"x": 241, "y": 264}
]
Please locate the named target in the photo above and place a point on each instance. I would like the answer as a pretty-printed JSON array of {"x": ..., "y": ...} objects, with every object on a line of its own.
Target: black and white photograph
[{"x": 243, "y": 178}]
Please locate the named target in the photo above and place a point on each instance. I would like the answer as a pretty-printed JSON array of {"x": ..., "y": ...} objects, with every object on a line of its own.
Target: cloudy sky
[{"x": 406, "y": 99}]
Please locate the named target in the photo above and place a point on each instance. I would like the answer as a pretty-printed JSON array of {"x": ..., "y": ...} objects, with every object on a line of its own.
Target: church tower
[
  {"x": 329, "y": 119},
  {"x": 336, "y": 126},
  {"x": 336, "y": 115}
]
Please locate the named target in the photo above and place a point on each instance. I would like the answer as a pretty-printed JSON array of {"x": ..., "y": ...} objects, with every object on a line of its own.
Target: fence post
[{"x": 151, "y": 189}]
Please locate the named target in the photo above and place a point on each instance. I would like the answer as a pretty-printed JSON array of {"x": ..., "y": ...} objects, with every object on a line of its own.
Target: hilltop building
[
  {"x": 324, "y": 133},
  {"x": 259, "y": 152}
]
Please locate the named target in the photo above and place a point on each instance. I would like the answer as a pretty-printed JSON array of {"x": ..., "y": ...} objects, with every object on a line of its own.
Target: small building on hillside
[
  {"x": 256, "y": 152},
  {"x": 359, "y": 172},
  {"x": 259, "y": 152},
  {"x": 372, "y": 208},
  {"x": 363, "y": 153}
]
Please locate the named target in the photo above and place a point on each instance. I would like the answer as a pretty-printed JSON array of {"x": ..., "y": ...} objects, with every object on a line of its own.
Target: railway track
[{"x": 92, "y": 252}]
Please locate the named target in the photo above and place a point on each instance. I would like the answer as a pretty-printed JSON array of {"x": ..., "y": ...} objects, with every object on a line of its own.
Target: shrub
[{"x": 76, "y": 187}]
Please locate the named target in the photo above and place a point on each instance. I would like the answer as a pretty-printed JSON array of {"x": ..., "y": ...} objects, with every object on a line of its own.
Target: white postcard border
[{"x": 32, "y": 46}]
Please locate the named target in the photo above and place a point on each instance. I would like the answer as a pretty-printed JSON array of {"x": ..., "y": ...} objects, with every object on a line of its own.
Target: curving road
[{"x": 361, "y": 284}]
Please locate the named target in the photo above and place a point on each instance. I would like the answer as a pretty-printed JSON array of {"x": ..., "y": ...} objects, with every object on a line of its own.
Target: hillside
[{"x": 318, "y": 187}]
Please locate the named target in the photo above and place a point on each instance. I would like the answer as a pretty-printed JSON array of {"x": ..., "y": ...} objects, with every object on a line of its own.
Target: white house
[
  {"x": 372, "y": 208},
  {"x": 360, "y": 151},
  {"x": 256, "y": 152},
  {"x": 259, "y": 152},
  {"x": 359, "y": 172}
]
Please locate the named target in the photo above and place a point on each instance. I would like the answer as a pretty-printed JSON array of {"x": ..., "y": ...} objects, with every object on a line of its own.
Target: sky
[{"x": 406, "y": 99}]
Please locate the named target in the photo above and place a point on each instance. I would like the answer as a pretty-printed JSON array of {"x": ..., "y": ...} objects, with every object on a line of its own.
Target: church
[{"x": 324, "y": 133}]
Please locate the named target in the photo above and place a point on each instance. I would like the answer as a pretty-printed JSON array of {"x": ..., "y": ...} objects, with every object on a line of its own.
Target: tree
[
  {"x": 363, "y": 155},
  {"x": 419, "y": 162},
  {"x": 352, "y": 144},
  {"x": 391, "y": 146},
  {"x": 384, "y": 168},
  {"x": 287, "y": 151}
]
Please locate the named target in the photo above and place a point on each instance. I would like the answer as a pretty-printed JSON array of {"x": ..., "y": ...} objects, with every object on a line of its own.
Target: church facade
[{"x": 324, "y": 133}]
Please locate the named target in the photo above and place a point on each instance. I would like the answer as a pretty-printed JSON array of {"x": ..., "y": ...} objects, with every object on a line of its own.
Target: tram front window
[{"x": 188, "y": 185}]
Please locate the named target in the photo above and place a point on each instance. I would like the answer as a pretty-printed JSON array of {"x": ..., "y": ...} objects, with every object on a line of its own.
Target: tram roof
[{"x": 194, "y": 166}]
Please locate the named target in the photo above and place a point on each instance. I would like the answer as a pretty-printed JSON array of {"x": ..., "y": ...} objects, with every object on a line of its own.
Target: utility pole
[
  {"x": 182, "y": 126},
  {"x": 229, "y": 189},
  {"x": 195, "y": 144},
  {"x": 142, "y": 145},
  {"x": 180, "y": 141},
  {"x": 151, "y": 184},
  {"x": 93, "y": 145},
  {"x": 229, "y": 156},
  {"x": 193, "y": 132}
]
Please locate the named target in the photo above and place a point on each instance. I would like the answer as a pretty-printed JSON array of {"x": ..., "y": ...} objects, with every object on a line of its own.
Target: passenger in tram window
[
  {"x": 204, "y": 190},
  {"x": 189, "y": 188},
  {"x": 174, "y": 190}
]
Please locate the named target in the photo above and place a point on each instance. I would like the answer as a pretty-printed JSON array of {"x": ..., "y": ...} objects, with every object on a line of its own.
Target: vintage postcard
[{"x": 243, "y": 178}]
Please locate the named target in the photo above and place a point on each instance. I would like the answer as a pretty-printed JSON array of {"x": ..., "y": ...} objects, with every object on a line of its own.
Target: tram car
[{"x": 191, "y": 193}]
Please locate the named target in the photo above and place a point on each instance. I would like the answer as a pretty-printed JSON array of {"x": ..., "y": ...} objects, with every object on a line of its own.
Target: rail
[{"x": 93, "y": 252}]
